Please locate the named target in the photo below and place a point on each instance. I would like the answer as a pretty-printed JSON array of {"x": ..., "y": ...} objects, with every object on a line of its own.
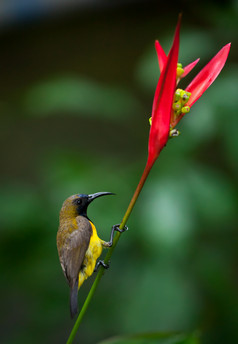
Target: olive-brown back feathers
[{"x": 72, "y": 241}]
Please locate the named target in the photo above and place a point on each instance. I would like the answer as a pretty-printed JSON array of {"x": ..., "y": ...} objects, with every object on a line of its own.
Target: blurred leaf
[
  {"x": 224, "y": 92},
  {"x": 80, "y": 96},
  {"x": 169, "y": 211},
  {"x": 161, "y": 290},
  {"x": 223, "y": 97},
  {"x": 212, "y": 194},
  {"x": 24, "y": 211},
  {"x": 149, "y": 338},
  {"x": 198, "y": 126}
]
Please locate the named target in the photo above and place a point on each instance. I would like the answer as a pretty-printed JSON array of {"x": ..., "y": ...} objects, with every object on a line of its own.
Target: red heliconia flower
[{"x": 169, "y": 104}]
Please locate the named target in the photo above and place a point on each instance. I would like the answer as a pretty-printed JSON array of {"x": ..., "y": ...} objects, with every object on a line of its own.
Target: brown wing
[{"x": 74, "y": 249}]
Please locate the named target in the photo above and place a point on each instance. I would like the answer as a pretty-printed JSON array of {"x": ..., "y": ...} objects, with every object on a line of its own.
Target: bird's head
[{"x": 77, "y": 204}]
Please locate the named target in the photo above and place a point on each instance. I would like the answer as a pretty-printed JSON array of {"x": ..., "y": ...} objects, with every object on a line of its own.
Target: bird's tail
[{"x": 74, "y": 299}]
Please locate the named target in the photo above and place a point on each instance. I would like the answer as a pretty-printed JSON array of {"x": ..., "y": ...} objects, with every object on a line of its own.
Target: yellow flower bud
[
  {"x": 179, "y": 72},
  {"x": 185, "y": 109}
]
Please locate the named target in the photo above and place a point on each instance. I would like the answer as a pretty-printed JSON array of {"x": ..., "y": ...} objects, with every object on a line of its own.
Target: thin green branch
[{"x": 109, "y": 254}]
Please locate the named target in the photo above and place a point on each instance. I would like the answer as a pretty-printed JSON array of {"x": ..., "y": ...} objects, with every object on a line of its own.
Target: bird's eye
[{"x": 78, "y": 201}]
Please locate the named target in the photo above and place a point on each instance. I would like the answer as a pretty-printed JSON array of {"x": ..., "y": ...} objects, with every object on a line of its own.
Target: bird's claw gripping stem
[
  {"x": 115, "y": 228},
  {"x": 101, "y": 262},
  {"x": 109, "y": 244}
]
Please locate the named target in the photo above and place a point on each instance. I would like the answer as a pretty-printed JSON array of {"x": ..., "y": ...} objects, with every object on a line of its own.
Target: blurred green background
[{"x": 76, "y": 91}]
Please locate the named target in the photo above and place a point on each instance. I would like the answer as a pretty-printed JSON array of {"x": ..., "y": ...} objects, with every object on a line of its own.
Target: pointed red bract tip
[
  {"x": 163, "y": 100},
  {"x": 189, "y": 67},
  {"x": 162, "y": 57},
  {"x": 207, "y": 75}
]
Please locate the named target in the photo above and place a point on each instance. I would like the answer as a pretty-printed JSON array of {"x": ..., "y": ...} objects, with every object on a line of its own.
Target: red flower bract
[
  {"x": 207, "y": 75},
  {"x": 163, "y": 100},
  {"x": 204, "y": 78},
  {"x": 162, "y": 58}
]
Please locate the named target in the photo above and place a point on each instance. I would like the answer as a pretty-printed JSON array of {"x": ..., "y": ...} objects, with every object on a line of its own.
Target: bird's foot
[
  {"x": 114, "y": 228},
  {"x": 117, "y": 228},
  {"x": 101, "y": 262}
]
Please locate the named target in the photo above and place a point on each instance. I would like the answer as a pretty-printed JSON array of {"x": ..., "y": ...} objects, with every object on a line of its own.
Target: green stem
[{"x": 109, "y": 253}]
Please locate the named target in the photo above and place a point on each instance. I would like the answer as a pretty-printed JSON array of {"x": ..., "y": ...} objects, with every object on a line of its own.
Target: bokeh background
[{"x": 76, "y": 89}]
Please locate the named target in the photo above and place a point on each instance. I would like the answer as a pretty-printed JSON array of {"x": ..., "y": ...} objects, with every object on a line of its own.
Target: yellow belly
[{"x": 93, "y": 252}]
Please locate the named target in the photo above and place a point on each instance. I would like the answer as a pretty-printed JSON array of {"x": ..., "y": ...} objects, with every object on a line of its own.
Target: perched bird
[{"x": 78, "y": 243}]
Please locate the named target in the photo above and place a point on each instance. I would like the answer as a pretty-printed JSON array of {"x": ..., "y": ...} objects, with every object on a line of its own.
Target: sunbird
[{"x": 78, "y": 243}]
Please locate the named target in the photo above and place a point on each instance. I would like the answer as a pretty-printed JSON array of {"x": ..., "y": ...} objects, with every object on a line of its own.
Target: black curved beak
[{"x": 91, "y": 197}]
